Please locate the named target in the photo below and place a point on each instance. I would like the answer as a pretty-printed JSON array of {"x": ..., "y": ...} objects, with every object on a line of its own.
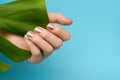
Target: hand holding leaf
[
  {"x": 18, "y": 17},
  {"x": 54, "y": 38}
]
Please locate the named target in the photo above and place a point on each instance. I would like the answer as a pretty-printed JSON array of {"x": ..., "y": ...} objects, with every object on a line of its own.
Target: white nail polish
[
  {"x": 50, "y": 26},
  {"x": 38, "y": 30}
]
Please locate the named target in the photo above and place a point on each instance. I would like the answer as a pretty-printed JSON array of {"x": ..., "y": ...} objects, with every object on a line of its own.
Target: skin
[{"x": 43, "y": 43}]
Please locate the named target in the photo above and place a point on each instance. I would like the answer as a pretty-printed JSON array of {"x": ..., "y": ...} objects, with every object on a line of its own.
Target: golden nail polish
[
  {"x": 29, "y": 34},
  {"x": 38, "y": 30},
  {"x": 50, "y": 26}
]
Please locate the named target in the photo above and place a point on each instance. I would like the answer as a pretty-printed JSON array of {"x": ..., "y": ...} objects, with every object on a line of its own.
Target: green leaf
[
  {"x": 18, "y": 17},
  {"x": 13, "y": 52},
  {"x": 4, "y": 67}
]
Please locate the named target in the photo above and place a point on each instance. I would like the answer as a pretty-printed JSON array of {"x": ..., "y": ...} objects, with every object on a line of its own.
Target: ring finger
[{"x": 40, "y": 43}]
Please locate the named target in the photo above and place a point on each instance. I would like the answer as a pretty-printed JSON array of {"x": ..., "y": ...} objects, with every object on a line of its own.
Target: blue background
[{"x": 93, "y": 53}]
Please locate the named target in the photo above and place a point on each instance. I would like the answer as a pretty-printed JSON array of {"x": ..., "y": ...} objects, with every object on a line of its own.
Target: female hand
[{"x": 42, "y": 42}]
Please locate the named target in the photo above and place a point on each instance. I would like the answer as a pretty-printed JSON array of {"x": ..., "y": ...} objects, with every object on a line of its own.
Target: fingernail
[
  {"x": 50, "y": 26},
  {"x": 38, "y": 30},
  {"x": 26, "y": 37},
  {"x": 29, "y": 34}
]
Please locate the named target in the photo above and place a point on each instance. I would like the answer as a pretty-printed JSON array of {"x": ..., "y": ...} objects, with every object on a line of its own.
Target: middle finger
[{"x": 49, "y": 37}]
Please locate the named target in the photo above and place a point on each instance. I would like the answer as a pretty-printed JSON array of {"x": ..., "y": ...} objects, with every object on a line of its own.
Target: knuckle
[
  {"x": 58, "y": 30},
  {"x": 50, "y": 49},
  {"x": 36, "y": 40},
  {"x": 36, "y": 53},
  {"x": 68, "y": 36},
  {"x": 45, "y": 34},
  {"x": 59, "y": 43}
]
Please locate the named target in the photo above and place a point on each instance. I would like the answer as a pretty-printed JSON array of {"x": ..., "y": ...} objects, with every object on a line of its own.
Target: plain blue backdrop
[{"x": 93, "y": 53}]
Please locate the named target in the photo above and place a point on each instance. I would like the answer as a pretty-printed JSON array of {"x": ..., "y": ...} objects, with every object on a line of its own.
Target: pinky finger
[{"x": 36, "y": 52}]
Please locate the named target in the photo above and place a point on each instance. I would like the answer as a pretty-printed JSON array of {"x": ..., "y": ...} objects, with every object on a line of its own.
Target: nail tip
[
  {"x": 38, "y": 30},
  {"x": 50, "y": 26},
  {"x": 29, "y": 34}
]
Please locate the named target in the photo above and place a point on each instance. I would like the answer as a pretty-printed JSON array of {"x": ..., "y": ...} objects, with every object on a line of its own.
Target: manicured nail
[
  {"x": 26, "y": 37},
  {"x": 29, "y": 34},
  {"x": 50, "y": 26},
  {"x": 38, "y": 30}
]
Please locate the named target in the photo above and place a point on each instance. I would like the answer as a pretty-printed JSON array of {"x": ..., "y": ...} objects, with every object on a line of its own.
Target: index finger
[{"x": 59, "y": 18}]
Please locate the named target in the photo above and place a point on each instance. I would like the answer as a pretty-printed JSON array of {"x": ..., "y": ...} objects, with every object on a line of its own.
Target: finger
[
  {"x": 58, "y": 31},
  {"x": 49, "y": 37},
  {"x": 59, "y": 18},
  {"x": 40, "y": 43},
  {"x": 36, "y": 52}
]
